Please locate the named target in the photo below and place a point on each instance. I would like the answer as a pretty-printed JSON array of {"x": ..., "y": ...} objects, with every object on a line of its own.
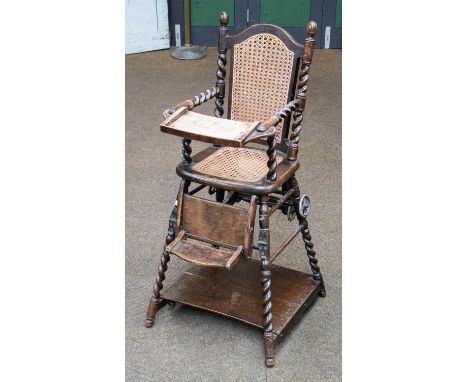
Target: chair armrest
[
  {"x": 184, "y": 123},
  {"x": 268, "y": 127},
  {"x": 195, "y": 101},
  {"x": 279, "y": 116}
]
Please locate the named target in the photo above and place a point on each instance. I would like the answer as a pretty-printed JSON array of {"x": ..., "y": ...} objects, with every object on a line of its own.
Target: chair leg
[
  {"x": 264, "y": 250},
  {"x": 307, "y": 238},
  {"x": 316, "y": 274},
  {"x": 155, "y": 300},
  {"x": 156, "y": 297},
  {"x": 219, "y": 195}
]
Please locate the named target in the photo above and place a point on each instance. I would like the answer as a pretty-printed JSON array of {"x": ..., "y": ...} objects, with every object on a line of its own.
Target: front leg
[
  {"x": 155, "y": 301},
  {"x": 264, "y": 250}
]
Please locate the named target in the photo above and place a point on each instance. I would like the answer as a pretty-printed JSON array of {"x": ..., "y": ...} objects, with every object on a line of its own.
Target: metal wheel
[{"x": 304, "y": 206}]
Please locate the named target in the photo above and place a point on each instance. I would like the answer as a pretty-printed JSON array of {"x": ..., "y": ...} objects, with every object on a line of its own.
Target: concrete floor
[{"x": 190, "y": 345}]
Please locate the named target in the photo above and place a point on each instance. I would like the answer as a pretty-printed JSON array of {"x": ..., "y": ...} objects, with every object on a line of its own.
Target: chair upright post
[
  {"x": 296, "y": 126},
  {"x": 155, "y": 300},
  {"x": 221, "y": 71}
]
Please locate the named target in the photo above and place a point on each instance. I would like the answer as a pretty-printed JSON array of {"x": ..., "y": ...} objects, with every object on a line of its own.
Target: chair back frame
[{"x": 228, "y": 42}]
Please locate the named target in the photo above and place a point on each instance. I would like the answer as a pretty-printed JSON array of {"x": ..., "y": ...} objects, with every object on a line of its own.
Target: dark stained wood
[
  {"x": 264, "y": 253},
  {"x": 258, "y": 293},
  {"x": 221, "y": 70},
  {"x": 196, "y": 189},
  {"x": 280, "y": 202},
  {"x": 155, "y": 300},
  {"x": 284, "y": 171},
  {"x": 180, "y": 195},
  {"x": 307, "y": 237},
  {"x": 249, "y": 227},
  {"x": 215, "y": 243},
  {"x": 203, "y": 255},
  {"x": 187, "y": 150},
  {"x": 238, "y": 293},
  {"x": 284, "y": 244},
  {"x": 301, "y": 91},
  {"x": 221, "y": 223},
  {"x": 189, "y": 104},
  {"x": 282, "y": 34}
]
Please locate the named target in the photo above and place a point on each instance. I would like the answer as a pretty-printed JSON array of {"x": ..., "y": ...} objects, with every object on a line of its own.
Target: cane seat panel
[
  {"x": 244, "y": 164},
  {"x": 236, "y": 169}
]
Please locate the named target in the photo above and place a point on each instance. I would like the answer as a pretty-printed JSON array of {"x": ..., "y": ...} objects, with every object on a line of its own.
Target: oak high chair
[{"x": 266, "y": 67}]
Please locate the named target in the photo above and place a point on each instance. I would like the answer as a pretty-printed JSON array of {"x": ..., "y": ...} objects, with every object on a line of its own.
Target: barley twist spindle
[
  {"x": 165, "y": 258},
  {"x": 272, "y": 163},
  {"x": 221, "y": 70},
  {"x": 264, "y": 251},
  {"x": 204, "y": 96},
  {"x": 296, "y": 126},
  {"x": 220, "y": 75},
  {"x": 306, "y": 237},
  {"x": 187, "y": 150}
]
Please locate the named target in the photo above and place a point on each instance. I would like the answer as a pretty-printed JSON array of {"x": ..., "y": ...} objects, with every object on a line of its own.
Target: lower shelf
[{"x": 238, "y": 293}]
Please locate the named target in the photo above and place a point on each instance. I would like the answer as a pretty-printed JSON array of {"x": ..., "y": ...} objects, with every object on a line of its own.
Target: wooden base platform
[{"x": 238, "y": 293}]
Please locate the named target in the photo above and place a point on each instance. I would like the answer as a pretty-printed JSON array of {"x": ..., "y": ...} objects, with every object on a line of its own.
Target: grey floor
[{"x": 190, "y": 345}]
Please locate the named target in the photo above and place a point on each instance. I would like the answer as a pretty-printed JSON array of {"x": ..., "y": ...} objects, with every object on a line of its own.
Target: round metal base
[{"x": 189, "y": 52}]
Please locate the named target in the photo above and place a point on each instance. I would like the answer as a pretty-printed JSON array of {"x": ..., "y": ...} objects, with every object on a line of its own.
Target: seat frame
[{"x": 278, "y": 191}]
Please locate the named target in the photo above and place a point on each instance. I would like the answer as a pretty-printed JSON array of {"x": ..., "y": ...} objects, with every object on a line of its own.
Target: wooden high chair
[{"x": 268, "y": 85}]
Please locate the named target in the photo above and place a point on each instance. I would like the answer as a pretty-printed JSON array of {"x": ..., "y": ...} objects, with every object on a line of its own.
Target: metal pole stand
[{"x": 188, "y": 51}]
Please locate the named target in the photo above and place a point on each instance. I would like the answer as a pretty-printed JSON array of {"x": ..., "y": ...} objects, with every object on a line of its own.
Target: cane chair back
[{"x": 264, "y": 64}]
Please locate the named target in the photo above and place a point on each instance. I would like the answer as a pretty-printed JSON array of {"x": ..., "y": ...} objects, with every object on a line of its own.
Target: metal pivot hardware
[{"x": 304, "y": 206}]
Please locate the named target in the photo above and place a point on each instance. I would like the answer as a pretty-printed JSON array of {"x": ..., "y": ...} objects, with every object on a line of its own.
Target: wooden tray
[
  {"x": 238, "y": 293},
  {"x": 204, "y": 128}
]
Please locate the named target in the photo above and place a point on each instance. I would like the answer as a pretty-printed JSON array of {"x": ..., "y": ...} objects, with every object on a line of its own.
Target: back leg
[{"x": 307, "y": 238}]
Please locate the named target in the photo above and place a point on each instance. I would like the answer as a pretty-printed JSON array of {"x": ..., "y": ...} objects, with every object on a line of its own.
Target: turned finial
[
  {"x": 223, "y": 19},
  {"x": 311, "y": 28}
]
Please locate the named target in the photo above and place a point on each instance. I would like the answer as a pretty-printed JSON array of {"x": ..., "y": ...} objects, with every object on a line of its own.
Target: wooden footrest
[{"x": 203, "y": 255}]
